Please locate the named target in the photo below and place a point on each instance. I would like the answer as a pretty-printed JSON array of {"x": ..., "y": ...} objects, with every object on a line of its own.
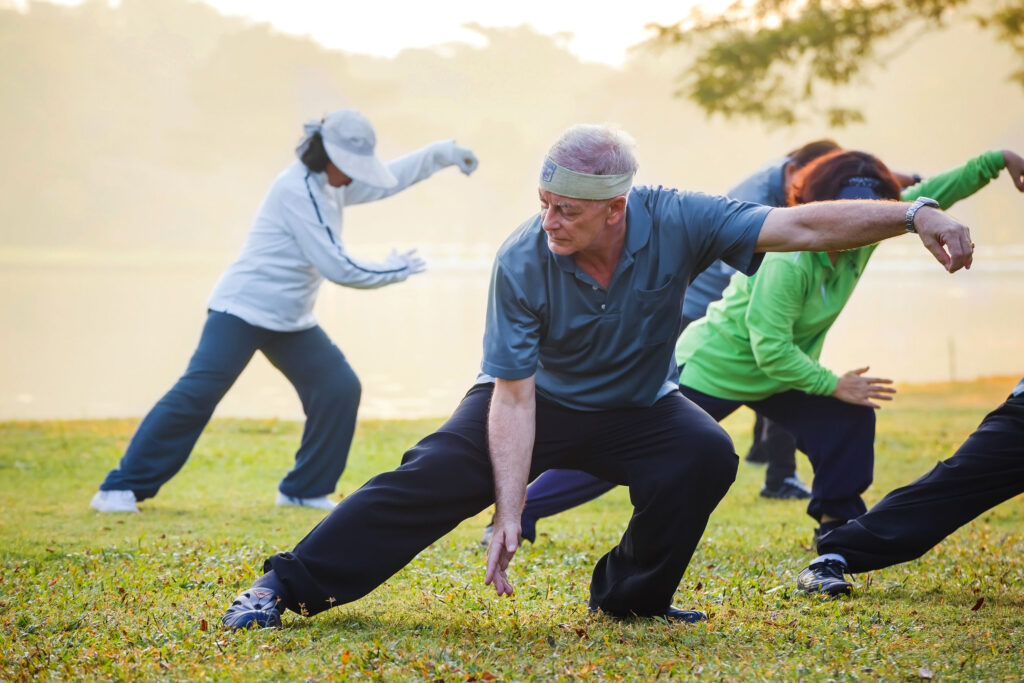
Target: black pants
[
  {"x": 985, "y": 471},
  {"x": 838, "y": 438},
  {"x": 676, "y": 460},
  {"x": 773, "y": 445}
]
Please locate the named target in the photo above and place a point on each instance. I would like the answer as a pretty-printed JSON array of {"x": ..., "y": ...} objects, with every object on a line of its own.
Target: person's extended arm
[
  {"x": 776, "y": 302},
  {"x": 949, "y": 187},
  {"x": 840, "y": 225},
  {"x": 511, "y": 428},
  {"x": 414, "y": 167},
  {"x": 310, "y": 223}
]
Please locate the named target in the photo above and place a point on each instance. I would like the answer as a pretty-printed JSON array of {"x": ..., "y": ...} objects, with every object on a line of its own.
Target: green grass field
[{"x": 85, "y": 596}]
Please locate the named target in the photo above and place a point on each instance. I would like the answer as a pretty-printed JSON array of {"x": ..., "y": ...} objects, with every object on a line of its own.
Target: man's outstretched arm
[
  {"x": 846, "y": 224},
  {"x": 511, "y": 427}
]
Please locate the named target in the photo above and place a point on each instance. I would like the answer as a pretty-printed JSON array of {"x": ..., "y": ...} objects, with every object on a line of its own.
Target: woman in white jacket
[{"x": 264, "y": 301}]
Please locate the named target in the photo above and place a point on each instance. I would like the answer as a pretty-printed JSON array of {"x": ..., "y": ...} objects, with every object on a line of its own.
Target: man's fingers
[
  {"x": 932, "y": 244},
  {"x": 961, "y": 254},
  {"x": 492, "y": 565},
  {"x": 499, "y": 553}
]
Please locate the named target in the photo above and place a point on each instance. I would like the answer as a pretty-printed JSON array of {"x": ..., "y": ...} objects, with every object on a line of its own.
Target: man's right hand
[
  {"x": 854, "y": 388},
  {"x": 940, "y": 232},
  {"x": 504, "y": 543}
]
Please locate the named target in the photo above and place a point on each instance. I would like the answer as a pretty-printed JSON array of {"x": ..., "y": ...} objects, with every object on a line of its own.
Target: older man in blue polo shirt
[{"x": 579, "y": 372}]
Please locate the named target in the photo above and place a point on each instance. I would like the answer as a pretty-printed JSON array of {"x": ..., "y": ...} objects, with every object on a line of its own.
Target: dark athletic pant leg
[
  {"x": 780, "y": 448},
  {"x": 559, "y": 490},
  {"x": 839, "y": 440},
  {"x": 381, "y": 527},
  {"x": 167, "y": 434},
  {"x": 773, "y": 445},
  {"x": 678, "y": 463},
  {"x": 329, "y": 391},
  {"x": 985, "y": 471}
]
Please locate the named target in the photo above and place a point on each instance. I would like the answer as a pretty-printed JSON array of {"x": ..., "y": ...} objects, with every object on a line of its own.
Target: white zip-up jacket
[{"x": 295, "y": 243}]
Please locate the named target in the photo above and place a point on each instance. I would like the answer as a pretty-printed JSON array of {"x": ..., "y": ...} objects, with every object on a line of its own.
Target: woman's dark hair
[
  {"x": 823, "y": 178},
  {"x": 802, "y": 156},
  {"x": 315, "y": 156}
]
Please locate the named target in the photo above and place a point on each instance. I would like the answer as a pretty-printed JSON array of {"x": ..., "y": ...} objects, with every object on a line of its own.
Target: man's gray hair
[{"x": 597, "y": 149}]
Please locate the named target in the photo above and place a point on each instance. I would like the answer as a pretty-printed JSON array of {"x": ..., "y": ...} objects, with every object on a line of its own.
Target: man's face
[{"x": 572, "y": 225}]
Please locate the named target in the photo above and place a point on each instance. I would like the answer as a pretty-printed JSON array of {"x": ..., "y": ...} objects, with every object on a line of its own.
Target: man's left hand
[
  {"x": 946, "y": 238},
  {"x": 503, "y": 546}
]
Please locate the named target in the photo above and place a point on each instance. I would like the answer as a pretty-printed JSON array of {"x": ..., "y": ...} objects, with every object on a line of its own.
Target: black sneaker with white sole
[
  {"x": 260, "y": 606},
  {"x": 671, "y": 614},
  {"x": 824, "y": 577}
]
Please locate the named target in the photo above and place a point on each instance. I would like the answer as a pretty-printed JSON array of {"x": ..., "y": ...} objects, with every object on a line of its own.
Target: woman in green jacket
[{"x": 759, "y": 346}]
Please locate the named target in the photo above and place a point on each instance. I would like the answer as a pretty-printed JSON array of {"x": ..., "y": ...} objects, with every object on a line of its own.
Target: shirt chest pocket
[{"x": 658, "y": 313}]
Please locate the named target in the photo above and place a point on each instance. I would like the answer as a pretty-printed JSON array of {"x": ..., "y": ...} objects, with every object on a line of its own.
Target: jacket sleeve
[
  {"x": 958, "y": 183},
  {"x": 776, "y": 303},
  {"x": 309, "y": 222},
  {"x": 408, "y": 170}
]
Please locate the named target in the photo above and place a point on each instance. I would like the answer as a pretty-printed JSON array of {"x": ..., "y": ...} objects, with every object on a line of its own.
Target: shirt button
[
  {"x": 602, "y": 307},
  {"x": 594, "y": 288}
]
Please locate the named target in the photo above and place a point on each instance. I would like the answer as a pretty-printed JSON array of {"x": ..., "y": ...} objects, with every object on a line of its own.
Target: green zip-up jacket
[{"x": 766, "y": 333}]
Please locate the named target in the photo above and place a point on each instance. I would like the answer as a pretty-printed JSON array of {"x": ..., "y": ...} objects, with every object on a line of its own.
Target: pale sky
[{"x": 384, "y": 27}]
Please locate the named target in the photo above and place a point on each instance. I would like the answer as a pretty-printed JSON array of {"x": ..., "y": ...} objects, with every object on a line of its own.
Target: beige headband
[{"x": 561, "y": 181}]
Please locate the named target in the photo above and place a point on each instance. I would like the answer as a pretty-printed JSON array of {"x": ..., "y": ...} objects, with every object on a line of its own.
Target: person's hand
[
  {"x": 409, "y": 259},
  {"x": 945, "y": 237},
  {"x": 854, "y": 388},
  {"x": 503, "y": 546},
  {"x": 464, "y": 158},
  {"x": 1015, "y": 165}
]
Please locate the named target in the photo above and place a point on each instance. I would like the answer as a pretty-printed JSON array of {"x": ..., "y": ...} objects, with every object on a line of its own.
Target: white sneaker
[
  {"x": 290, "y": 501},
  {"x": 114, "y": 501}
]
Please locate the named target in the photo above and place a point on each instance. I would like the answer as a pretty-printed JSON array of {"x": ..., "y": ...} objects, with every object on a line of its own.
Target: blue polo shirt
[{"x": 601, "y": 349}]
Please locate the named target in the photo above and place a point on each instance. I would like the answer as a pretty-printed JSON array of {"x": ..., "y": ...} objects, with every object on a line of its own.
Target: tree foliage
[{"x": 769, "y": 59}]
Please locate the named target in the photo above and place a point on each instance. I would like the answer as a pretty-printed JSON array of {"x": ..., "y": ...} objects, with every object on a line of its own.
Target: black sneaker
[
  {"x": 824, "y": 577},
  {"x": 261, "y": 606},
  {"x": 670, "y": 614},
  {"x": 791, "y": 488}
]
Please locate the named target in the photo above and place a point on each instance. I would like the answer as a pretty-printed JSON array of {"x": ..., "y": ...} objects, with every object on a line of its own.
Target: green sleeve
[
  {"x": 776, "y": 304},
  {"x": 958, "y": 183}
]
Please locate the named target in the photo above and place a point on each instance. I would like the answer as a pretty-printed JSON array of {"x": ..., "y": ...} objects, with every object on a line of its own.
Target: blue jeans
[{"x": 326, "y": 384}]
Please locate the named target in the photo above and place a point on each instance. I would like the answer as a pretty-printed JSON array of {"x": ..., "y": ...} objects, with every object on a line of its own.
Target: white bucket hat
[{"x": 349, "y": 141}]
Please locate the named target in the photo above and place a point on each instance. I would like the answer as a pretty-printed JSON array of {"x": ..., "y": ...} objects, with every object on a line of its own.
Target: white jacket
[{"x": 295, "y": 243}]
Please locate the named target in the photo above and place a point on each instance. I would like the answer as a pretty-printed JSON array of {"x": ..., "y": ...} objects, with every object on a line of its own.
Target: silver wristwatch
[{"x": 908, "y": 221}]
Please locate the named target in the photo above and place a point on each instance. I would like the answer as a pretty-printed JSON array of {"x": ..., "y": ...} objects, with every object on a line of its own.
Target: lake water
[{"x": 89, "y": 336}]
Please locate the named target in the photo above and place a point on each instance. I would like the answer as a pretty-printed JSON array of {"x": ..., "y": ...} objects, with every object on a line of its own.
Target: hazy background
[{"x": 139, "y": 140}]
